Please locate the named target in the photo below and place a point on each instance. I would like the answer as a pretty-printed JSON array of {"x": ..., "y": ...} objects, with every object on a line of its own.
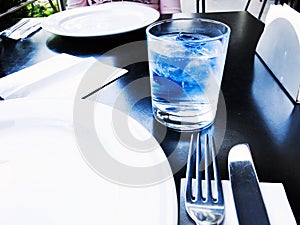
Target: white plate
[
  {"x": 101, "y": 20},
  {"x": 45, "y": 180}
]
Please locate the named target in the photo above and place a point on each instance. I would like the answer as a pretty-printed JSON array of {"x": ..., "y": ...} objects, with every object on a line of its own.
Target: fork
[{"x": 205, "y": 205}]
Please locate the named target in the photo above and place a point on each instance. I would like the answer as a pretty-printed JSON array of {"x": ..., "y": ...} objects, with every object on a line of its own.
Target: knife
[{"x": 248, "y": 200}]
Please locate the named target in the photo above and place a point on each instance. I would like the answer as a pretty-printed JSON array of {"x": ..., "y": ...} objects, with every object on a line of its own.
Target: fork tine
[
  {"x": 199, "y": 196},
  {"x": 193, "y": 165},
  {"x": 189, "y": 169},
  {"x": 207, "y": 154},
  {"x": 220, "y": 198}
]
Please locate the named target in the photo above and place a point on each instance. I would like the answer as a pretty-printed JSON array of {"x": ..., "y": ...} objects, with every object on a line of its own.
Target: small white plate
[
  {"x": 101, "y": 20},
  {"x": 45, "y": 179}
]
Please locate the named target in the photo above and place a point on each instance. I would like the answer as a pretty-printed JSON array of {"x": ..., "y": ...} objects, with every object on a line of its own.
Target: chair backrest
[
  {"x": 61, "y": 5},
  {"x": 198, "y": 6},
  {"x": 264, "y": 2}
]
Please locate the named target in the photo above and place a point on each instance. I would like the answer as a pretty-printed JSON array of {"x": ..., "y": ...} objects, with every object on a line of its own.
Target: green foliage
[
  {"x": 41, "y": 10},
  {"x": 36, "y": 9}
]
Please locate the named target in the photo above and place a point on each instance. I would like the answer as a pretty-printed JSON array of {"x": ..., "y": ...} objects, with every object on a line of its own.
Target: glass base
[{"x": 184, "y": 123}]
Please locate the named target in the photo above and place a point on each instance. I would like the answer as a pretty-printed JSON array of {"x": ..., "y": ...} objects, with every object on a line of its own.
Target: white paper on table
[
  {"x": 276, "y": 202},
  {"x": 59, "y": 76}
]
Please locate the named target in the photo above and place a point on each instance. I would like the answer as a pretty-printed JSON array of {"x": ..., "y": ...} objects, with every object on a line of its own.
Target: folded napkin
[
  {"x": 30, "y": 25},
  {"x": 59, "y": 76},
  {"x": 277, "y": 205}
]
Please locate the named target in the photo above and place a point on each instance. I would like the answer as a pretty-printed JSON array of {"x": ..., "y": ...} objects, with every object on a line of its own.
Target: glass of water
[{"x": 186, "y": 62}]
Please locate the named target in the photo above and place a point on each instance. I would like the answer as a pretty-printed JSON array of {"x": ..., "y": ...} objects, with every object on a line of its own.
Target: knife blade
[{"x": 248, "y": 199}]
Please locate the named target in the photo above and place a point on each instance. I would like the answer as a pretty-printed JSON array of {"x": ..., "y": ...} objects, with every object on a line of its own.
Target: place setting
[
  {"x": 101, "y": 20},
  {"x": 50, "y": 172},
  {"x": 205, "y": 199},
  {"x": 185, "y": 77},
  {"x": 78, "y": 146},
  {"x": 52, "y": 136},
  {"x": 109, "y": 19}
]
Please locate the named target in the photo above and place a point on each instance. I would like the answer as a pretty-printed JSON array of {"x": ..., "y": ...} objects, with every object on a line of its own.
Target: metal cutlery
[
  {"x": 204, "y": 201},
  {"x": 248, "y": 200},
  {"x": 29, "y": 29},
  {"x": 6, "y": 33}
]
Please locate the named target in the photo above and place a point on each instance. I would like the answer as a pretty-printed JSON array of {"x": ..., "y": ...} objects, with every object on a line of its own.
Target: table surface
[{"x": 254, "y": 108}]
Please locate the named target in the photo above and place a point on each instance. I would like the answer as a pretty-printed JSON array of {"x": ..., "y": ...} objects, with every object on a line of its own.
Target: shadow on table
[{"x": 82, "y": 46}]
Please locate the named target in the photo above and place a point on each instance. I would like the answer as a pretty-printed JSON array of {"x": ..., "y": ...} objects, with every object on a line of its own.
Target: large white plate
[
  {"x": 101, "y": 20},
  {"x": 45, "y": 180}
]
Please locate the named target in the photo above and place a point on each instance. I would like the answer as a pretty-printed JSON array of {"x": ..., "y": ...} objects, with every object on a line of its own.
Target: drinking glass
[{"x": 186, "y": 62}]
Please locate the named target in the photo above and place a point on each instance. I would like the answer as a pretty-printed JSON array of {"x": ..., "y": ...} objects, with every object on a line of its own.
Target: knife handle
[{"x": 248, "y": 200}]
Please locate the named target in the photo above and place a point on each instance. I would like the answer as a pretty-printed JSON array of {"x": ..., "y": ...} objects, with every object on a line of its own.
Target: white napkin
[
  {"x": 59, "y": 76},
  {"x": 276, "y": 202}
]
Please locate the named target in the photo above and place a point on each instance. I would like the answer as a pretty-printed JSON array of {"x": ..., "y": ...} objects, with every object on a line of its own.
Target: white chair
[
  {"x": 61, "y": 5},
  {"x": 198, "y": 6},
  {"x": 261, "y": 9}
]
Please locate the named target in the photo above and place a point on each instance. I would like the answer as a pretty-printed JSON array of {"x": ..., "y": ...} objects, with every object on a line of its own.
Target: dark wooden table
[{"x": 255, "y": 109}]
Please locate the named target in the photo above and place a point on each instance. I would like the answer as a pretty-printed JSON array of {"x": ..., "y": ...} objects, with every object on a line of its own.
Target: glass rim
[{"x": 191, "y": 19}]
